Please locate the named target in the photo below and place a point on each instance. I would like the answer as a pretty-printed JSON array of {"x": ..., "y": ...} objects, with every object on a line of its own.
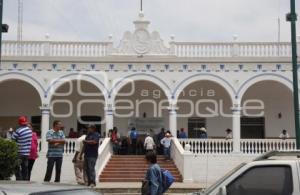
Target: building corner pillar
[
  {"x": 45, "y": 112},
  {"x": 173, "y": 119},
  {"x": 236, "y": 125},
  {"x": 109, "y": 118}
]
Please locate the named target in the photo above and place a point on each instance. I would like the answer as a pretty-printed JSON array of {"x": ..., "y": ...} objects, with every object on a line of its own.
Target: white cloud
[{"x": 189, "y": 20}]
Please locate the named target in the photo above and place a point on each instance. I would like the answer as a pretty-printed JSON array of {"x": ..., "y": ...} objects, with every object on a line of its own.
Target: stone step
[
  {"x": 135, "y": 169},
  {"x": 128, "y": 179},
  {"x": 129, "y": 161},
  {"x": 114, "y": 172},
  {"x": 132, "y": 168},
  {"x": 130, "y": 174}
]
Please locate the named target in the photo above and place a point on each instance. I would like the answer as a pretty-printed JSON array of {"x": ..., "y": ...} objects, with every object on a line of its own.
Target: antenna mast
[{"x": 20, "y": 27}]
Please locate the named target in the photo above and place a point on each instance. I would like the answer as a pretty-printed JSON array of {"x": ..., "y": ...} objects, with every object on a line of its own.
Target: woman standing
[
  {"x": 33, "y": 151},
  {"x": 153, "y": 175}
]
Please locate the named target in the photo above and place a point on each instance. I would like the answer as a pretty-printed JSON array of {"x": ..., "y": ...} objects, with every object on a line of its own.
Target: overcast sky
[{"x": 188, "y": 20}]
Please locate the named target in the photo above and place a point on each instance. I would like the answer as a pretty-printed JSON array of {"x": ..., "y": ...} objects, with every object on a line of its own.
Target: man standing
[
  {"x": 91, "y": 145},
  {"x": 182, "y": 134},
  {"x": 149, "y": 144},
  {"x": 78, "y": 160},
  {"x": 23, "y": 136},
  {"x": 133, "y": 139},
  {"x": 166, "y": 142},
  {"x": 56, "y": 140}
]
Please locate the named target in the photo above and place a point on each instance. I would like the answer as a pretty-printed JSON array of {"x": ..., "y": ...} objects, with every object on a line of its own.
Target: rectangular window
[{"x": 263, "y": 180}]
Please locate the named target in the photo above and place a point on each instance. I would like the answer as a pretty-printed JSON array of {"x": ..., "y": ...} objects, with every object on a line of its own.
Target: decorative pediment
[{"x": 141, "y": 41}]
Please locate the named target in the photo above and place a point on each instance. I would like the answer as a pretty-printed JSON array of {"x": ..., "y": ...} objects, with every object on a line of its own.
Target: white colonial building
[{"x": 150, "y": 83}]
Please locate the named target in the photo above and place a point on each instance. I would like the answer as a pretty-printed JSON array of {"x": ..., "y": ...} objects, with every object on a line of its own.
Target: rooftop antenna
[
  {"x": 20, "y": 28},
  {"x": 141, "y": 5},
  {"x": 279, "y": 33}
]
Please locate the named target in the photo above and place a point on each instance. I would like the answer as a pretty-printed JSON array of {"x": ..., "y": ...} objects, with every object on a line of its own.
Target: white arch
[
  {"x": 57, "y": 83},
  {"x": 119, "y": 84},
  {"x": 264, "y": 77},
  {"x": 204, "y": 77},
  {"x": 25, "y": 78}
]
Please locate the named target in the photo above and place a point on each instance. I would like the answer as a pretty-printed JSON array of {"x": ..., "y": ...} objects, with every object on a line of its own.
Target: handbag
[{"x": 145, "y": 187}]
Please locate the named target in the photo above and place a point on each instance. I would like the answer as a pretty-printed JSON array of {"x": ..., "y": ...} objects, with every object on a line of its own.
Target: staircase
[{"x": 132, "y": 168}]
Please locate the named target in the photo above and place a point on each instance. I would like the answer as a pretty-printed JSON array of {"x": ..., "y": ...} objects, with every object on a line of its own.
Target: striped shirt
[
  {"x": 23, "y": 137},
  {"x": 55, "y": 150}
]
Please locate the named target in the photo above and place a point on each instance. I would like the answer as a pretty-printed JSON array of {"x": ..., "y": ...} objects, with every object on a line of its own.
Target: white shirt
[
  {"x": 282, "y": 136},
  {"x": 228, "y": 136},
  {"x": 149, "y": 143},
  {"x": 79, "y": 143}
]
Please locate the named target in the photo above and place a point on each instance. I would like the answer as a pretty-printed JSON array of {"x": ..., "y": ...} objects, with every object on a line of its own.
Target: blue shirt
[
  {"x": 154, "y": 177},
  {"x": 23, "y": 137},
  {"x": 91, "y": 150},
  {"x": 166, "y": 142},
  {"x": 203, "y": 135},
  {"x": 55, "y": 151},
  {"x": 182, "y": 135}
]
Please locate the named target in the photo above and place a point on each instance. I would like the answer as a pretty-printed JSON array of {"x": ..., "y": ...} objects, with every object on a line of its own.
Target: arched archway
[
  {"x": 204, "y": 103},
  {"x": 100, "y": 81},
  {"x": 263, "y": 77},
  {"x": 19, "y": 97},
  {"x": 78, "y": 103},
  {"x": 131, "y": 79},
  {"x": 204, "y": 77},
  {"x": 274, "y": 110},
  {"x": 141, "y": 104},
  {"x": 25, "y": 78}
]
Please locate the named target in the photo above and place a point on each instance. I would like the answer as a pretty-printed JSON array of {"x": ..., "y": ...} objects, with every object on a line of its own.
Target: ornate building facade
[{"x": 150, "y": 83}]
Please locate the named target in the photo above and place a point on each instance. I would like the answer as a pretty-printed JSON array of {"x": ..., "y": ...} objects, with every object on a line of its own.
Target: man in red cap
[{"x": 23, "y": 136}]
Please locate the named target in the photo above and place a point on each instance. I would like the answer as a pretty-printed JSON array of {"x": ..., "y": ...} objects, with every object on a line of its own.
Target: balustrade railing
[
  {"x": 179, "y": 49},
  {"x": 232, "y": 49},
  {"x": 258, "y": 146},
  {"x": 55, "y": 49},
  {"x": 69, "y": 147},
  {"x": 205, "y": 146},
  {"x": 248, "y": 146}
]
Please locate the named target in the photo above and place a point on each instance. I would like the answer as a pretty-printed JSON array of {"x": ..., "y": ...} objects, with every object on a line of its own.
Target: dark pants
[
  {"x": 167, "y": 153},
  {"x": 133, "y": 145},
  {"x": 30, "y": 165},
  {"x": 50, "y": 165},
  {"x": 22, "y": 169},
  {"x": 116, "y": 148},
  {"x": 89, "y": 165}
]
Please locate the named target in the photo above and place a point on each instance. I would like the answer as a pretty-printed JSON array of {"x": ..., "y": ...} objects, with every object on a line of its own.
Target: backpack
[
  {"x": 167, "y": 179},
  {"x": 133, "y": 135}
]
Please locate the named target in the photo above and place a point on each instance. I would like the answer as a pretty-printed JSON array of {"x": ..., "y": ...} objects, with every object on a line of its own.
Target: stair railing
[
  {"x": 104, "y": 153},
  {"x": 182, "y": 157}
]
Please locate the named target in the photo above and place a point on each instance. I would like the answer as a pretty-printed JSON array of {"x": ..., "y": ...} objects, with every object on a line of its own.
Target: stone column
[
  {"x": 109, "y": 118},
  {"x": 236, "y": 125},
  {"x": 45, "y": 111},
  {"x": 173, "y": 119}
]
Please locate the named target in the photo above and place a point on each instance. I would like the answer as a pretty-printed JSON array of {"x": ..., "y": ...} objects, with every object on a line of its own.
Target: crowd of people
[
  {"x": 86, "y": 149},
  {"x": 137, "y": 144},
  {"x": 84, "y": 160}
]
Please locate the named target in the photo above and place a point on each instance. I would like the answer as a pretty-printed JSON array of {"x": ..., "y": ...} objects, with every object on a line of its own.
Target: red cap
[{"x": 23, "y": 120}]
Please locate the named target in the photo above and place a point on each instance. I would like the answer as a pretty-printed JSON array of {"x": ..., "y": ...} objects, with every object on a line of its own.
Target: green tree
[{"x": 8, "y": 158}]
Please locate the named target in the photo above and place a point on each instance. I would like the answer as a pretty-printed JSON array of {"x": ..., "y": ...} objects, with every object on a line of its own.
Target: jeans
[
  {"x": 22, "y": 169},
  {"x": 167, "y": 153},
  {"x": 89, "y": 165},
  {"x": 50, "y": 165}
]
